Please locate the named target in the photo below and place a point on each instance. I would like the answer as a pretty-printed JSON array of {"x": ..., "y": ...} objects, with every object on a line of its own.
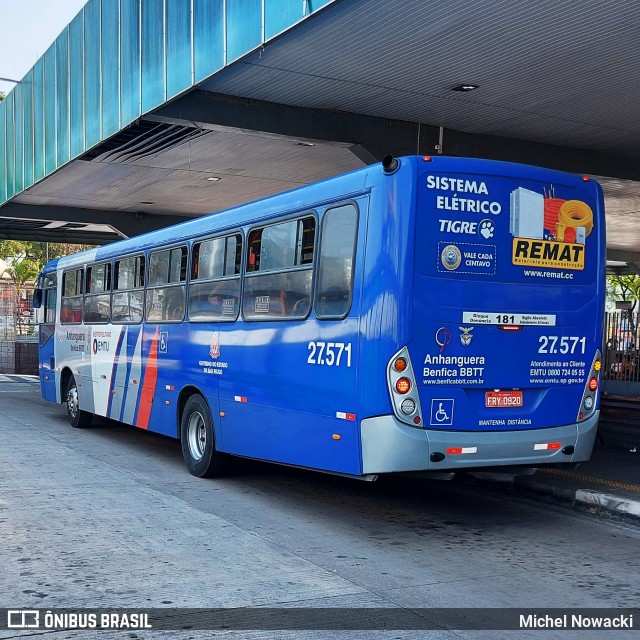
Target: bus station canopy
[{"x": 142, "y": 113}]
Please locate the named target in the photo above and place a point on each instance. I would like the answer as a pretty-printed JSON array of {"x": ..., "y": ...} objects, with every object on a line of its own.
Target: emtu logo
[{"x": 100, "y": 345}]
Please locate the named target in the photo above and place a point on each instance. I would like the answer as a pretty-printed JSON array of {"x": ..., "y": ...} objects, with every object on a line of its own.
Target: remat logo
[{"x": 545, "y": 253}]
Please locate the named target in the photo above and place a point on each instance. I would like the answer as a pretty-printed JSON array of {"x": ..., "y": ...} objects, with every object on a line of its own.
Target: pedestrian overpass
[{"x": 144, "y": 112}]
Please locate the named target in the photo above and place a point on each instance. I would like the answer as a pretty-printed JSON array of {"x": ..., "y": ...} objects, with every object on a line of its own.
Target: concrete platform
[{"x": 606, "y": 486}]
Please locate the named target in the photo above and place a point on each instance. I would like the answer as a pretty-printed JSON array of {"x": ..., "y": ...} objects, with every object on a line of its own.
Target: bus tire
[
  {"x": 198, "y": 440},
  {"x": 77, "y": 418}
]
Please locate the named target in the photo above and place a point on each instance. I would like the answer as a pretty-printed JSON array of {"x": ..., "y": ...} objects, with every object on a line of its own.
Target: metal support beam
[
  {"x": 124, "y": 224},
  {"x": 619, "y": 255},
  {"x": 380, "y": 136},
  {"x": 376, "y": 137}
]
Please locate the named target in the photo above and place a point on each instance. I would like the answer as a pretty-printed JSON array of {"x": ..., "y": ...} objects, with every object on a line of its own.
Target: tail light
[
  {"x": 588, "y": 403},
  {"x": 400, "y": 365},
  {"x": 403, "y": 389}
]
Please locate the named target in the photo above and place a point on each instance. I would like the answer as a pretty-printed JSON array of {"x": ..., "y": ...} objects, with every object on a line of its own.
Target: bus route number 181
[{"x": 329, "y": 353}]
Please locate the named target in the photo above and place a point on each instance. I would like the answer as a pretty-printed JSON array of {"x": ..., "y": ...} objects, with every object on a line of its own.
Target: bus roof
[{"x": 297, "y": 200}]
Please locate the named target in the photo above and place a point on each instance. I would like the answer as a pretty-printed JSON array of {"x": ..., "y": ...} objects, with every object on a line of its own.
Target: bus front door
[{"x": 46, "y": 347}]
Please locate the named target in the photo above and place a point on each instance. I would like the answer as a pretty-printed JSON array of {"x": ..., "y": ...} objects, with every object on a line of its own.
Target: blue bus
[{"x": 423, "y": 314}]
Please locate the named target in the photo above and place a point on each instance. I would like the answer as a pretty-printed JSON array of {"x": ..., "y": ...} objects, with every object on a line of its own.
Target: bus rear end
[{"x": 503, "y": 367}]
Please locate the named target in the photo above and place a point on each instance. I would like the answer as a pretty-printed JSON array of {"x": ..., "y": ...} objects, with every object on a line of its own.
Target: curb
[
  {"x": 585, "y": 500},
  {"x": 623, "y": 506}
]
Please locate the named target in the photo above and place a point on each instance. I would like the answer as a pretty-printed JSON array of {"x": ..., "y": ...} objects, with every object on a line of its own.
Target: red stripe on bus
[{"x": 148, "y": 385}]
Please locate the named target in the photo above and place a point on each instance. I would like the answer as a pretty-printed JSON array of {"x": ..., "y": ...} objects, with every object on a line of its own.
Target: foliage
[
  {"x": 21, "y": 272},
  {"x": 2, "y": 96},
  {"x": 38, "y": 252},
  {"x": 12, "y": 248},
  {"x": 625, "y": 288}
]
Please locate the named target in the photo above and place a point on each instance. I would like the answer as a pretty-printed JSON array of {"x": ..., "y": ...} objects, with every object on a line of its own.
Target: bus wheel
[
  {"x": 198, "y": 442},
  {"x": 77, "y": 417}
]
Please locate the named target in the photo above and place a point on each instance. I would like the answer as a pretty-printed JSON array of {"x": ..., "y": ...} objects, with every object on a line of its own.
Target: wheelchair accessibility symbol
[{"x": 441, "y": 413}]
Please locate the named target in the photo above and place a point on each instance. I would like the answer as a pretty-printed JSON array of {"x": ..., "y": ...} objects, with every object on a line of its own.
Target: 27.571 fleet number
[
  {"x": 329, "y": 353},
  {"x": 564, "y": 344}
]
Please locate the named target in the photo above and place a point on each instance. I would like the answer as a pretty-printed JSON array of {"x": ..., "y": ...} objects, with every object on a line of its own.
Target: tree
[
  {"x": 2, "y": 96},
  {"x": 41, "y": 252},
  {"x": 21, "y": 272},
  {"x": 12, "y": 249},
  {"x": 38, "y": 253},
  {"x": 625, "y": 288}
]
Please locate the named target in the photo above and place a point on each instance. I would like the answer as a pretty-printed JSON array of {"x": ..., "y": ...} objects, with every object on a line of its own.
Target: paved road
[{"x": 109, "y": 517}]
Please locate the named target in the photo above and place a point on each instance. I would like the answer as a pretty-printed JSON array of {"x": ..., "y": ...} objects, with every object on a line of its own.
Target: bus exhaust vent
[{"x": 143, "y": 139}]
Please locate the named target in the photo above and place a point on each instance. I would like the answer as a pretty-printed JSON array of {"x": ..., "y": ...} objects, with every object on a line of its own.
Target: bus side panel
[
  {"x": 72, "y": 351},
  {"x": 121, "y": 365},
  {"x": 165, "y": 347},
  {"x": 132, "y": 384},
  {"x": 287, "y": 389},
  {"x": 280, "y": 397},
  {"x": 106, "y": 362},
  {"x": 94, "y": 355}
]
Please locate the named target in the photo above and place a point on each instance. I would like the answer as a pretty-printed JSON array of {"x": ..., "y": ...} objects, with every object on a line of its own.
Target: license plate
[{"x": 503, "y": 399}]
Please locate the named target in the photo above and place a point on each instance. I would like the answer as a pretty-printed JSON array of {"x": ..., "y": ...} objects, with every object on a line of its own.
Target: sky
[{"x": 27, "y": 29}]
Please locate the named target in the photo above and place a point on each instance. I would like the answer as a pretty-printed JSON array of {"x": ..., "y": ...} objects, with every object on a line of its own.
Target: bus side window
[
  {"x": 50, "y": 306},
  {"x": 166, "y": 291},
  {"x": 128, "y": 292},
  {"x": 97, "y": 298},
  {"x": 47, "y": 310},
  {"x": 214, "y": 290},
  {"x": 72, "y": 300},
  {"x": 337, "y": 252},
  {"x": 279, "y": 277}
]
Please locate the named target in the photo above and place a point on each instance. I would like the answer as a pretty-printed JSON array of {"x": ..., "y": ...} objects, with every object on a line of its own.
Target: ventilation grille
[{"x": 141, "y": 140}]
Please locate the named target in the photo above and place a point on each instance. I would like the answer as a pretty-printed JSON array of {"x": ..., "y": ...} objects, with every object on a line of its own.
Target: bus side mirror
[{"x": 37, "y": 299}]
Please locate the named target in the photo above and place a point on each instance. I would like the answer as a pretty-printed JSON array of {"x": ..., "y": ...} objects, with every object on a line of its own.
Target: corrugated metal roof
[{"x": 557, "y": 72}]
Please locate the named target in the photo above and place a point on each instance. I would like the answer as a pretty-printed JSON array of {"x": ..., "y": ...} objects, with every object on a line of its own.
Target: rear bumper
[{"x": 389, "y": 446}]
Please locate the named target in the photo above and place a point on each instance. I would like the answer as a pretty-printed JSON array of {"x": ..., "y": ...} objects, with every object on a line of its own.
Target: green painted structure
[{"x": 118, "y": 60}]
